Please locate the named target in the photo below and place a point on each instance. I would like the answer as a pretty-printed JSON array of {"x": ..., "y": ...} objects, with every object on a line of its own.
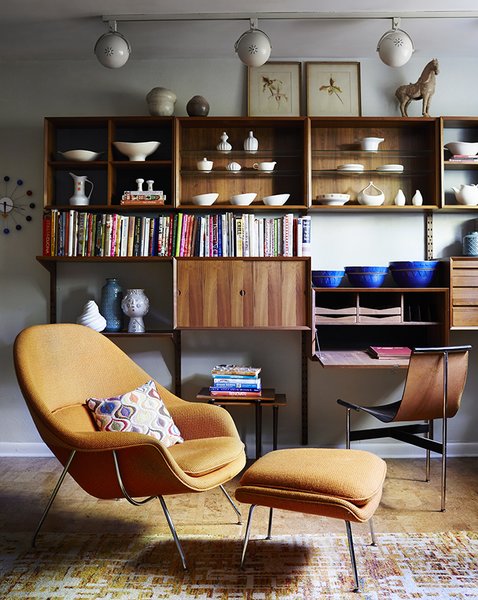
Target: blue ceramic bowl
[
  {"x": 371, "y": 277},
  {"x": 328, "y": 279},
  {"x": 414, "y": 273}
]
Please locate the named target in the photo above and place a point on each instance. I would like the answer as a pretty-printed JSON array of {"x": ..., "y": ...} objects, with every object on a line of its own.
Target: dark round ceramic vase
[{"x": 198, "y": 106}]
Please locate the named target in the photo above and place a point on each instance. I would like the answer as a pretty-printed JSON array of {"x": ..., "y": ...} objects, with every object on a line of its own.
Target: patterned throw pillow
[{"x": 141, "y": 411}]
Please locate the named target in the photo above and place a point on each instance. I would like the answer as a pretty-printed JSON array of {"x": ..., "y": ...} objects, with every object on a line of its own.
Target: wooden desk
[
  {"x": 268, "y": 397},
  {"x": 358, "y": 359}
]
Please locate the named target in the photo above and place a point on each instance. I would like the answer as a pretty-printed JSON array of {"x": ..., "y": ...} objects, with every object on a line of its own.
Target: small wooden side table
[{"x": 268, "y": 397}]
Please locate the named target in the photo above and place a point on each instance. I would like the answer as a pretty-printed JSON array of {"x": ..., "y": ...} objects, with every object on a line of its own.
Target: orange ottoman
[{"x": 342, "y": 484}]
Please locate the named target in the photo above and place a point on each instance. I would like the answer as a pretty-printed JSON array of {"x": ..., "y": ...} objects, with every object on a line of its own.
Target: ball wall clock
[{"x": 15, "y": 205}]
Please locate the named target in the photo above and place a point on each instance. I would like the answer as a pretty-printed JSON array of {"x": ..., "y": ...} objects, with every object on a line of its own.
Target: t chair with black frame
[{"x": 433, "y": 389}]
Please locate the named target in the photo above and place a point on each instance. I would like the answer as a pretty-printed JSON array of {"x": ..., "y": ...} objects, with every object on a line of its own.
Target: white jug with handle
[{"x": 79, "y": 197}]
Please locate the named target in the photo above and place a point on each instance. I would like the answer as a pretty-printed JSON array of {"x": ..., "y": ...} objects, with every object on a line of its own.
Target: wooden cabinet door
[
  {"x": 214, "y": 293},
  {"x": 281, "y": 290},
  {"x": 235, "y": 293}
]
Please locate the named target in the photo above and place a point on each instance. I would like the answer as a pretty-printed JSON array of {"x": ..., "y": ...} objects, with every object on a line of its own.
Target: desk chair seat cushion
[
  {"x": 343, "y": 484},
  {"x": 141, "y": 410}
]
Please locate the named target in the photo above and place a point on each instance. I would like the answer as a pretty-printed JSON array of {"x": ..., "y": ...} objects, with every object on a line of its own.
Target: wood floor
[{"x": 408, "y": 504}]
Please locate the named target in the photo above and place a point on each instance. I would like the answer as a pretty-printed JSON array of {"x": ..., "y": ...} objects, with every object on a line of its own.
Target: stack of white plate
[
  {"x": 390, "y": 168},
  {"x": 350, "y": 167}
]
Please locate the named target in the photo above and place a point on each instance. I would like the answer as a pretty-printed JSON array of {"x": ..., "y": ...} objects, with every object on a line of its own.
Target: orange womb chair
[
  {"x": 434, "y": 385},
  {"x": 60, "y": 366}
]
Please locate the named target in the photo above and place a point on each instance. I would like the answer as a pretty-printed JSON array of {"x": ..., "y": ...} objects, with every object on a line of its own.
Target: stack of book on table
[{"x": 232, "y": 380}]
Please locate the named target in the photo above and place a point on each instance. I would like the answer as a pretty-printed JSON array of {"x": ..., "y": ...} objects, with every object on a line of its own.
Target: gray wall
[{"x": 33, "y": 90}]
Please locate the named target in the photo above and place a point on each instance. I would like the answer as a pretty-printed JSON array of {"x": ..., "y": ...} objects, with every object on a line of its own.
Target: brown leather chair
[
  {"x": 60, "y": 366},
  {"x": 433, "y": 389}
]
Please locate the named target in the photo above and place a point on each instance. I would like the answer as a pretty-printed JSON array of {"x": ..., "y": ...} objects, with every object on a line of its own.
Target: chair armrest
[
  {"x": 199, "y": 420},
  {"x": 348, "y": 404},
  {"x": 98, "y": 441}
]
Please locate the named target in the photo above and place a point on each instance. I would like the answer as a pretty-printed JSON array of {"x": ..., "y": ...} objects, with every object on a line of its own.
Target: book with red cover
[{"x": 384, "y": 352}]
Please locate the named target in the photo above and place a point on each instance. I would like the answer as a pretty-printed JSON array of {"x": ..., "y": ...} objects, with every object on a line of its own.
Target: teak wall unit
[{"x": 272, "y": 293}]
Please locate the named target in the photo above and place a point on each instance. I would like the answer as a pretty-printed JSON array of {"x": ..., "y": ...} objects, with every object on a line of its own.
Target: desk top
[
  {"x": 357, "y": 359},
  {"x": 268, "y": 397}
]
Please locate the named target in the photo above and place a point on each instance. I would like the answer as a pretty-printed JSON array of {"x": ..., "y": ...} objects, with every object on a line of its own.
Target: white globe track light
[
  {"x": 254, "y": 46},
  {"x": 395, "y": 47},
  {"x": 112, "y": 49}
]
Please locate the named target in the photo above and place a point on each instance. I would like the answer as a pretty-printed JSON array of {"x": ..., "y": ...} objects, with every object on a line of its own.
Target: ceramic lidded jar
[
  {"x": 135, "y": 305},
  {"x": 110, "y": 305},
  {"x": 198, "y": 106},
  {"x": 161, "y": 102},
  {"x": 470, "y": 244}
]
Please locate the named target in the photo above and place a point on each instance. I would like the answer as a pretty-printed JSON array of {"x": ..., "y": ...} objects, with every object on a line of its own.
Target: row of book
[
  {"x": 233, "y": 380},
  {"x": 83, "y": 233}
]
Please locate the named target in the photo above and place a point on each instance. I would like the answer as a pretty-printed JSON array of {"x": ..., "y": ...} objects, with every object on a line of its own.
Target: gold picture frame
[
  {"x": 333, "y": 89},
  {"x": 274, "y": 90}
]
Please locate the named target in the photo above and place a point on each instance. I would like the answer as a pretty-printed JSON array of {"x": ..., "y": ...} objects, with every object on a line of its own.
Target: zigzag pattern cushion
[{"x": 140, "y": 411}]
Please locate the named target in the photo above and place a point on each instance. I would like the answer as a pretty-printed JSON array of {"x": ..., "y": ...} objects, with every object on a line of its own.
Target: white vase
[
  {"x": 399, "y": 199},
  {"x": 251, "y": 144},
  {"x": 135, "y": 305},
  {"x": 417, "y": 198},
  {"x": 224, "y": 145},
  {"x": 91, "y": 317}
]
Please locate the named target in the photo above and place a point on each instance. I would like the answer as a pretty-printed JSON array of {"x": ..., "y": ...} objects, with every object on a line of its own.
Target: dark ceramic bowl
[
  {"x": 414, "y": 273},
  {"x": 371, "y": 277},
  {"x": 328, "y": 279}
]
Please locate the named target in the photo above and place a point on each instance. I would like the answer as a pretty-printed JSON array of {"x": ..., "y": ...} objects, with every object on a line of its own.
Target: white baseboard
[
  {"x": 38, "y": 449},
  {"x": 390, "y": 450}
]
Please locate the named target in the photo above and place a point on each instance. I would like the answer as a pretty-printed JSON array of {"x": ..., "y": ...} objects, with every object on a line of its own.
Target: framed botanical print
[
  {"x": 274, "y": 90},
  {"x": 333, "y": 89}
]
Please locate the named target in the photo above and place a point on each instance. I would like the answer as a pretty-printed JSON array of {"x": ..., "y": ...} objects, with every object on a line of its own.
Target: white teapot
[{"x": 466, "y": 194}]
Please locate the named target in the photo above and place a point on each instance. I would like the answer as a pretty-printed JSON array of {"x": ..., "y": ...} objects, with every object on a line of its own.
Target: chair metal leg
[
  {"x": 347, "y": 429},
  {"x": 443, "y": 465},
  {"x": 173, "y": 531},
  {"x": 231, "y": 502},
  {"x": 269, "y": 526},
  {"x": 372, "y": 533},
  {"x": 140, "y": 502},
  {"x": 352, "y": 555},
  {"x": 53, "y": 496},
  {"x": 430, "y": 437},
  {"x": 246, "y": 536}
]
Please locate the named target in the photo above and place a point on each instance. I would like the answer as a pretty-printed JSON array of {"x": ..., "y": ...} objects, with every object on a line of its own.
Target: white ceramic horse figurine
[{"x": 423, "y": 89}]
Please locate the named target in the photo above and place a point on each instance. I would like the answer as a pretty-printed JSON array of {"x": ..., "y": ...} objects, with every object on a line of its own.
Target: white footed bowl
[
  {"x": 137, "y": 150},
  {"x": 205, "y": 199},
  {"x": 243, "y": 199},
  {"x": 276, "y": 199},
  {"x": 82, "y": 155},
  {"x": 91, "y": 317},
  {"x": 466, "y": 148}
]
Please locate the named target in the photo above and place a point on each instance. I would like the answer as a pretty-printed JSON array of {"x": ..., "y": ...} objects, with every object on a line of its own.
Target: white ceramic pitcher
[{"x": 79, "y": 197}]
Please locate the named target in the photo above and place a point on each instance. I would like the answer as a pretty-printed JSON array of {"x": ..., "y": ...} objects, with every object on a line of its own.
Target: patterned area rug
[{"x": 305, "y": 567}]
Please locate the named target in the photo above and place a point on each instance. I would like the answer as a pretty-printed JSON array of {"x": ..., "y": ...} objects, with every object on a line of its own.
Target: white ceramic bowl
[
  {"x": 370, "y": 144},
  {"x": 82, "y": 155},
  {"x": 466, "y": 148},
  {"x": 333, "y": 199},
  {"x": 276, "y": 199},
  {"x": 243, "y": 199},
  {"x": 205, "y": 199},
  {"x": 137, "y": 150}
]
